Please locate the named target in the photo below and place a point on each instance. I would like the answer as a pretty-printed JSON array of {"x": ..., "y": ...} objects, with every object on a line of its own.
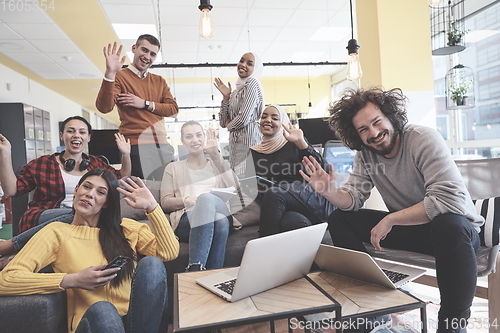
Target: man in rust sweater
[{"x": 143, "y": 100}]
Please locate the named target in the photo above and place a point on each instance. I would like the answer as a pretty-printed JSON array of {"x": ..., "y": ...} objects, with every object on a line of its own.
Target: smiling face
[
  {"x": 75, "y": 136},
  {"x": 145, "y": 54},
  {"x": 246, "y": 65},
  {"x": 193, "y": 138},
  {"x": 91, "y": 197},
  {"x": 270, "y": 122},
  {"x": 376, "y": 131}
]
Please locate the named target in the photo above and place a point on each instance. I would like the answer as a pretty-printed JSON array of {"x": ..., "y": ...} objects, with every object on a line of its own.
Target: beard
[{"x": 387, "y": 149}]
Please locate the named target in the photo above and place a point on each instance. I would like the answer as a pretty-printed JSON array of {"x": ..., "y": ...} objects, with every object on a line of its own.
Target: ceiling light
[
  {"x": 132, "y": 31},
  {"x": 354, "y": 71},
  {"x": 11, "y": 46},
  {"x": 330, "y": 34},
  {"x": 206, "y": 26}
]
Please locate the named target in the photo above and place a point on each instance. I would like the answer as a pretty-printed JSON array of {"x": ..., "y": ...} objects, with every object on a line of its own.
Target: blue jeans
[
  {"x": 450, "y": 238},
  {"x": 147, "y": 307},
  {"x": 50, "y": 215},
  {"x": 206, "y": 228}
]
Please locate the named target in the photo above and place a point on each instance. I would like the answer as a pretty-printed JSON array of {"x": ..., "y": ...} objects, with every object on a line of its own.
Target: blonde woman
[{"x": 199, "y": 217}]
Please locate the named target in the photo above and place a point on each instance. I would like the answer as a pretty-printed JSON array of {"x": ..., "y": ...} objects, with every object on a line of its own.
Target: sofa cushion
[
  {"x": 490, "y": 210},
  {"x": 34, "y": 313},
  {"x": 248, "y": 212}
]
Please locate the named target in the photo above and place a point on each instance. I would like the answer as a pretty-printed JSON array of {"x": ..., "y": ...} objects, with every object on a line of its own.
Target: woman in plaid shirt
[{"x": 53, "y": 179}]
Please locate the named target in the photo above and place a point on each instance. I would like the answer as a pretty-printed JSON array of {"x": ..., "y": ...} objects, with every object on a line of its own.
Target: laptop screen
[{"x": 340, "y": 156}]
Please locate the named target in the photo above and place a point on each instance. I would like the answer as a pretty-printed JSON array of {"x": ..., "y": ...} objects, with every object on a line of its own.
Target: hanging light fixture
[
  {"x": 354, "y": 71},
  {"x": 206, "y": 26}
]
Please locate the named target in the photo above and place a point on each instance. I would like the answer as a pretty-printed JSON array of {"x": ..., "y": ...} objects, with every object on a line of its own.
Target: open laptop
[
  {"x": 340, "y": 156},
  {"x": 268, "y": 262},
  {"x": 361, "y": 266}
]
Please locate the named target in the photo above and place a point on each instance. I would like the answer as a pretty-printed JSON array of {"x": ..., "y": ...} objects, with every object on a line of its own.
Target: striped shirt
[{"x": 244, "y": 110}]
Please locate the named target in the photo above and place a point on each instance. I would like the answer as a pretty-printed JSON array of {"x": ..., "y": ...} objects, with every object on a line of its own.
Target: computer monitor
[
  {"x": 316, "y": 130},
  {"x": 340, "y": 156},
  {"x": 102, "y": 142}
]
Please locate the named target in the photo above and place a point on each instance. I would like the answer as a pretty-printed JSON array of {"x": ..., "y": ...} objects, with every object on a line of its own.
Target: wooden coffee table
[
  {"x": 360, "y": 299},
  {"x": 197, "y": 309},
  {"x": 321, "y": 296}
]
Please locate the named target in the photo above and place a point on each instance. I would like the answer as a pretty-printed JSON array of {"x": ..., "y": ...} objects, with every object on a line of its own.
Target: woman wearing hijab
[
  {"x": 291, "y": 203},
  {"x": 241, "y": 109}
]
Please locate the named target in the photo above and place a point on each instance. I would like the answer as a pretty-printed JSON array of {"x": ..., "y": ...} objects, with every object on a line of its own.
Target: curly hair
[{"x": 392, "y": 103}]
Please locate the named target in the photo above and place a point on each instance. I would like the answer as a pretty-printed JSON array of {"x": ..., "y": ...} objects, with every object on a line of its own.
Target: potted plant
[
  {"x": 455, "y": 35},
  {"x": 459, "y": 90}
]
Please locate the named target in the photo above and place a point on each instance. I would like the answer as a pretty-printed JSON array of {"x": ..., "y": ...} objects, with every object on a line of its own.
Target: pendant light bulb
[
  {"x": 354, "y": 72},
  {"x": 206, "y": 26}
]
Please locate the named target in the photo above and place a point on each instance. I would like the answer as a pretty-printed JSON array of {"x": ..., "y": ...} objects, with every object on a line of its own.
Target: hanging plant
[
  {"x": 459, "y": 90},
  {"x": 455, "y": 35}
]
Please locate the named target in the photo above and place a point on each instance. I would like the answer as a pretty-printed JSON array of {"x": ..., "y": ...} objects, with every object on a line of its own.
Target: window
[{"x": 474, "y": 131}]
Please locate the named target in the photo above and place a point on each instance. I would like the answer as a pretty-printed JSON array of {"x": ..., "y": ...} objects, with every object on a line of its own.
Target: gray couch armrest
[{"x": 34, "y": 313}]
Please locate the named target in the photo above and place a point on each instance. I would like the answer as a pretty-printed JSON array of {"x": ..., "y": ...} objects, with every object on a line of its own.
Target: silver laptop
[
  {"x": 268, "y": 262},
  {"x": 361, "y": 266}
]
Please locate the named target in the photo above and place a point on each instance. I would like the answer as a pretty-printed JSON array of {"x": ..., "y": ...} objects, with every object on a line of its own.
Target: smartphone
[{"x": 119, "y": 261}]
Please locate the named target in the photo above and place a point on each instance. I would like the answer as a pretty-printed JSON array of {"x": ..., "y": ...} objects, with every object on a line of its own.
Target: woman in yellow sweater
[{"x": 130, "y": 299}]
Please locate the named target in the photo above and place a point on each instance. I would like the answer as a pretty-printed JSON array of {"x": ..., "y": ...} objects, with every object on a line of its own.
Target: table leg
[
  {"x": 272, "y": 326},
  {"x": 423, "y": 317}
]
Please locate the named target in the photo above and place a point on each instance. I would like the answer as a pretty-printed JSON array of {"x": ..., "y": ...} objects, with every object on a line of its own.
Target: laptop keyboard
[
  {"x": 226, "y": 286},
  {"x": 394, "y": 276}
]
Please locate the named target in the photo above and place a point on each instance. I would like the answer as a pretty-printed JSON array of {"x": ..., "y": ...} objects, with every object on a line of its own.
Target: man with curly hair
[{"x": 429, "y": 208}]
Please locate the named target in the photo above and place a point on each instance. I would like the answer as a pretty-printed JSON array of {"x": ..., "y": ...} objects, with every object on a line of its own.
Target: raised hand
[
  {"x": 224, "y": 90},
  {"x": 113, "y": 61},
  {"x": 294, "y": 135},
  {"x": 123, "y": 144},
  {"x": 5, "y": 147},
  {"x": 132, "y": 100},
  {"x": 137, "y": 195},
  {"x": 210, "y": 144},
  {"x": 321, "y": 181},
  {"x": 90, "y": 278}
]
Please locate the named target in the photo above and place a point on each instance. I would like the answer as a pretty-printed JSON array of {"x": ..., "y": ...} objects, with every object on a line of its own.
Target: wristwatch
[{"x": 146, "y": 105}]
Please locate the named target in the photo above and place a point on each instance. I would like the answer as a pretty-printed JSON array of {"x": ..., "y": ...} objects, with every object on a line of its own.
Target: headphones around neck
[{"x": 70, "y": 163}]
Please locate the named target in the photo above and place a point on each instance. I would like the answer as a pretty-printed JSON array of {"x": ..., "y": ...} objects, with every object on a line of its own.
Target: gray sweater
[{"x": 423, "y": 169}]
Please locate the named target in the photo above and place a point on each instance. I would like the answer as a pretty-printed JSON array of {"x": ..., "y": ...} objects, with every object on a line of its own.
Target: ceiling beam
[{"x": 167, "y": 65}]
